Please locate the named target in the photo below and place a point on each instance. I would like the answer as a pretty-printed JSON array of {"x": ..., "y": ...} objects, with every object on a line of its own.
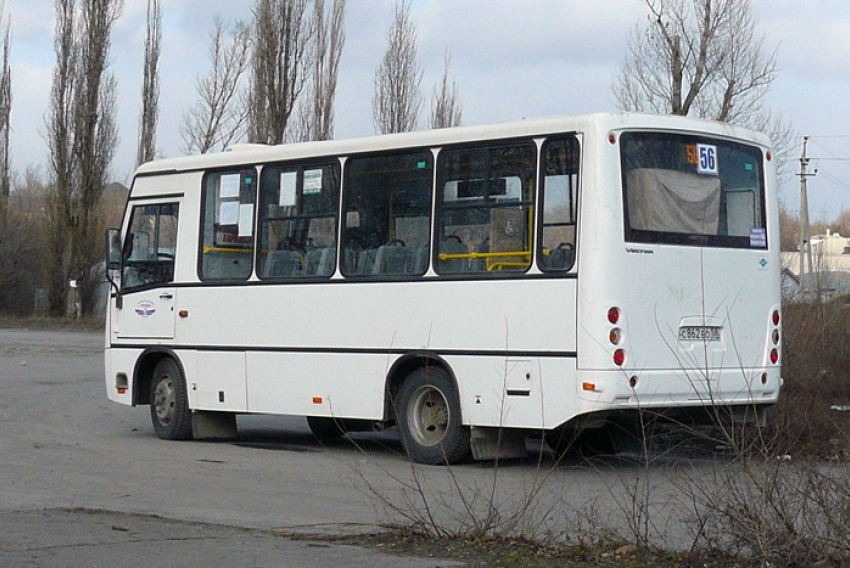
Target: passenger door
[{"x": 147, "y": 273}]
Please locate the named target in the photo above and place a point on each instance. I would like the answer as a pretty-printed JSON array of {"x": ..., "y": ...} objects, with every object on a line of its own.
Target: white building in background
[{"x": 830, "y": 274}]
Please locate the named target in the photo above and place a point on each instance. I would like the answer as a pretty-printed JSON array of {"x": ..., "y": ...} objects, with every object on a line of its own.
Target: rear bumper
[{"x": 624, "y": 389}]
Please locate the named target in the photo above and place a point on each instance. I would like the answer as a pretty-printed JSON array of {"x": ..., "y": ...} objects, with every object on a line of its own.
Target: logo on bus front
[{"x": 145, "y": 309}]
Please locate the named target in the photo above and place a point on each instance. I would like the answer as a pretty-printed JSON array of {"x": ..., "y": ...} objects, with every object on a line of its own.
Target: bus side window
[
  {"x": 387, "y": 215},
  {"x": 559, "y": 184},
  {"x": 485, "y": 207},
  {"x": 227, "y": 227},
  {"x": 298, "y": 221}
]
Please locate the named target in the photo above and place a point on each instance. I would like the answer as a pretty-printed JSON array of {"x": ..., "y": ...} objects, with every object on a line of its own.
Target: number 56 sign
[{"x": 707, "y": 159}]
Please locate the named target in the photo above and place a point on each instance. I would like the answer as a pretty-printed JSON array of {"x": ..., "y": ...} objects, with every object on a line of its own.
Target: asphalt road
[{"x": 84, "y": 481}]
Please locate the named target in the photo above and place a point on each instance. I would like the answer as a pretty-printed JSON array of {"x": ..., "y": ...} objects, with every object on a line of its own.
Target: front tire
[
  {"x": 170, "y": 414},
  {"x": 429, "y": 419}
]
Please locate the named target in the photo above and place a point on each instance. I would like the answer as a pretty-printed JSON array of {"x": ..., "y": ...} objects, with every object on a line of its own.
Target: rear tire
[
  {"x": 429, "y": 419},
  {"x": 170, "y": 414}
]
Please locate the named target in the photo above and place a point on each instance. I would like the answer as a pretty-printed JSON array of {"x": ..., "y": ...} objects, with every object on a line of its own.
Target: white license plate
[{"x": 699, "y": 333}]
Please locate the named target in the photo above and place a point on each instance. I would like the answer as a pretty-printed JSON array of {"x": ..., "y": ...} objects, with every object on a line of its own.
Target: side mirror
[
  {"x": 113, "y": 262},
  {"x": 113, "y": 249}
]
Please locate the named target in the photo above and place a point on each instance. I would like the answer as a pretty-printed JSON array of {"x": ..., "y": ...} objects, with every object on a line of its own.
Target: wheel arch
[
  {"x": 144, "y": 368},
  {"x": 403, "y": 367}
]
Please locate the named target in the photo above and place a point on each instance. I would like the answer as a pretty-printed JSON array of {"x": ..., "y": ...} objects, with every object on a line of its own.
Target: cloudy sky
[{"x": 511, "y": 59}]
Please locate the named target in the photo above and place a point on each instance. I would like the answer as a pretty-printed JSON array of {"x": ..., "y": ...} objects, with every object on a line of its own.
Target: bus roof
[{"x": 260, "y": 153}]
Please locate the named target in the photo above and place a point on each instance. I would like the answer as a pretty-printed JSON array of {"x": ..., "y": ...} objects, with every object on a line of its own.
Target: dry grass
[{"x": 816, "y": 369}]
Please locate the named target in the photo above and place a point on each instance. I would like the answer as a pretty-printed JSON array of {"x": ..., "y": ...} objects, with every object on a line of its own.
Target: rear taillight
[
  {"x": 615, "y": 335},
  {"x": 619, "y": 357},
  {"x": 775, "y": 336}
]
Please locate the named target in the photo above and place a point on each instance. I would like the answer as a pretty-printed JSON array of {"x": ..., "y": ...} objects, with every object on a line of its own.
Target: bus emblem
[{"x": 145, "y": 309}]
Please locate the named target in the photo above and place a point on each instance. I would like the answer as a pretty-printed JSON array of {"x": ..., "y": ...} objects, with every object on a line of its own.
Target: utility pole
[{"x": 806, "y": 236}]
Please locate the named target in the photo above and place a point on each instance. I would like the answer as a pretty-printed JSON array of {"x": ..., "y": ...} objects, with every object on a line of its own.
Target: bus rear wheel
[
  {"x": 170, "y": 414},
  {"x": 429, "y": 420}
]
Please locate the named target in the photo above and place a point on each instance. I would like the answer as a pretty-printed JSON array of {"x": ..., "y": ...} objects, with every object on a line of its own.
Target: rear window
[{"x": 692, "y": 190}]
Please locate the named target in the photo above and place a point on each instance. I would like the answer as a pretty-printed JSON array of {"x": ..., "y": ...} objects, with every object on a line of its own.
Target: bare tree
[
  {"x": 446, "y": 109},
  {"x": 702, "y": 58},
  {"x": 330, "y": 40},
  {"x": 82, "y": 138},
  {"x": 397, "y": 101},
  {"x": 280, "y": 66},
  {"x": 60, "y": 143},
  {"x": 150, "y": 85},
  {"x": 96, "y": 134},
  {"x": 218, "y": 117},
  {"x": 5, "y": 111}
]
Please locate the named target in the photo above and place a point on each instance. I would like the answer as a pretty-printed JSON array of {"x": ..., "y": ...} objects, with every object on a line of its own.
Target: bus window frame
[
  {"x": 342, "y": 227},
  {"x": 541, "y": 203},
  {"x": 529, "y": 203},
  {"x": 235, "y": 168},
  {"x": 299, "y": 166}
]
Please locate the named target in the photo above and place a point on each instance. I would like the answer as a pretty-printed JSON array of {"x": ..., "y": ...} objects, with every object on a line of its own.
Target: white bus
[{"x": 469, "y": 285}]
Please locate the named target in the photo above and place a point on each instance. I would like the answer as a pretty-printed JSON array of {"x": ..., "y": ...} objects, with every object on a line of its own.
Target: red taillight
[
  {"x": 775, "y": 317},
  {"x": 774, "y": 356},
  {"x": 614, "y": 315},
  {"x": 612, "y": 138},
  {"x": 619, "y": 357},
  {"x": 769, "y": 156}
]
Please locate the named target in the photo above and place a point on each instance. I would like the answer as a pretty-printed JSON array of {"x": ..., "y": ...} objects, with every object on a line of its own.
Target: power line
[{"x": 833, "y": 179}]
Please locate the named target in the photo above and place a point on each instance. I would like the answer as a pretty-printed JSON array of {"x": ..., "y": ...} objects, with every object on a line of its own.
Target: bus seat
[
  {"x": 366, "y": 261},
  {"x": 480, "y": 264},
  {"x": 312, "y": 260},
  {"x": 453, "y": 264},
  {"x": 559, "y": 258},
  {"x": 225, "y": 265},
  {"x": 327, "y": 262},
  {"x": 283, "y": 263},
  {"x": 421, "y": 259},
  {"x": 392, "y": 259}
]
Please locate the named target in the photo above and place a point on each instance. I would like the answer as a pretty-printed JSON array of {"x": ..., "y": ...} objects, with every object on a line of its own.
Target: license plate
[{"x": 699, "y": 333}]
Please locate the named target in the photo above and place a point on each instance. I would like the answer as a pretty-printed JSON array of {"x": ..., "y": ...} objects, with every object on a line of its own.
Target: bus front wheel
[
  {"x": 170, "y": 412},
  {"x": 429, "y": 420}
]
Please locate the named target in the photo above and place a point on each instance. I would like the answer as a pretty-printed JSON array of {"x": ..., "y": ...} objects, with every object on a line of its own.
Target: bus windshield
[{"x": 692, "y": 190}]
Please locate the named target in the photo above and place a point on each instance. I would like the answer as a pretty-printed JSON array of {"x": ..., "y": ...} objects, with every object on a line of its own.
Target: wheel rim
[
  {"x": 164, "y": 400},
  {"x": 428, "y": 416}
]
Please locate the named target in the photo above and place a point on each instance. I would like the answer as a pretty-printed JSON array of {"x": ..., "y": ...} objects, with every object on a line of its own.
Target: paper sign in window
[
  {"x": 228, "y": 213},
  {"x": 287, "y": 189},
  {"x": 228, "y": 186},
  {"x": 312, "y": 182},
  {"x": 246, "y": 220}
]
